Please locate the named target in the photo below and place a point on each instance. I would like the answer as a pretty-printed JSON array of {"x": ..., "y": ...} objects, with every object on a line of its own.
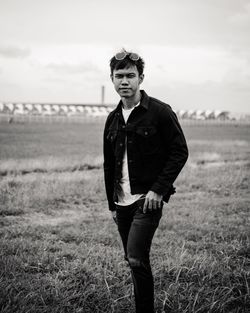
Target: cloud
[
  {"x": 241, "y": 17},
  {"x": 69, "y": 68},
  {"x": 10, "y": 51}
]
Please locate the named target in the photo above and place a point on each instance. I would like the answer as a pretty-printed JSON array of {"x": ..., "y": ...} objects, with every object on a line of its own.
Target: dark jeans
[{"x": 137, "y": 230}]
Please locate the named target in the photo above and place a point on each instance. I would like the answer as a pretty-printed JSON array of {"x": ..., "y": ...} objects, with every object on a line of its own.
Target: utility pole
[{"x": 103, "y": 95}]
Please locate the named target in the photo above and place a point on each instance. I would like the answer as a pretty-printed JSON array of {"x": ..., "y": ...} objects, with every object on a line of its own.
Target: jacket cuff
[
  {"x": 166, "y": 190},
  {"x": 112, "y": 207}
]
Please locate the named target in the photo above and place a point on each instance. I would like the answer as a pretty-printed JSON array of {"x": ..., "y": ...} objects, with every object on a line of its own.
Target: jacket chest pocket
[
  {"x": 147, "y": 139},
  {"x": 112, "y": 135}
]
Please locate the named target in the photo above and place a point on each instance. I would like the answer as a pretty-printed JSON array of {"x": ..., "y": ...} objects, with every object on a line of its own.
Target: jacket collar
[{"x": 144, "y": 101}]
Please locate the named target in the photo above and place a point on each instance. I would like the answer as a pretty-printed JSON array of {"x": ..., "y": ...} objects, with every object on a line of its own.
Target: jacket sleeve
[
  {"x": 109, "y": 168},
  {"x": 176, "y": 151}
]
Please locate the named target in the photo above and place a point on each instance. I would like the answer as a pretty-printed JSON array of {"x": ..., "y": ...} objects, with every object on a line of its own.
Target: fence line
[
  {"x": 10, "y": 118},
  {"x": 20, "y": 118}
]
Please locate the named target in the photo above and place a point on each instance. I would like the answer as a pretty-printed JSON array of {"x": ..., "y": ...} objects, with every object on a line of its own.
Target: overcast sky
[{"x": 197, "y": 52}]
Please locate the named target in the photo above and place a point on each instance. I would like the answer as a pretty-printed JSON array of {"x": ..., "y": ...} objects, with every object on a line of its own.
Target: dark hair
[{"x": 126, "y": 63}]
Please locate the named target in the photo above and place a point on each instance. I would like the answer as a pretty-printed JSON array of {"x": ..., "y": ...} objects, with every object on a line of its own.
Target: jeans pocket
[
  {"x": 140, "y": 204},
  {"x": 151, "y": 217}
]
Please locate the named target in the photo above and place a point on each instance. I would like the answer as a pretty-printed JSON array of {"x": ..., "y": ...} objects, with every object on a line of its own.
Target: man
[{"x": 144, "y": 151}]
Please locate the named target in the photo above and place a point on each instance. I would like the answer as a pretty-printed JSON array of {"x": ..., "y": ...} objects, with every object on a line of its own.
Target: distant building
[
  {"x": 99, "y": 110},
  {"x": 203, "y": 114}
]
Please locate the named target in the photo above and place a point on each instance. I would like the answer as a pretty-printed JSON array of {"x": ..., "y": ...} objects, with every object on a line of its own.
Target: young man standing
[{"x": 144, "y": 151}]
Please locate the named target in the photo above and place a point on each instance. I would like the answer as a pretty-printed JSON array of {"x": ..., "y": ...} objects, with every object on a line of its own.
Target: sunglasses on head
[{"x": 122, "y": 55}]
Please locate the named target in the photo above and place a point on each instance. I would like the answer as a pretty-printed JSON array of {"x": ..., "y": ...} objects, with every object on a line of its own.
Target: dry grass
[
  {"x": 60, "y": 251},
  {"x": 49, "y": 164}
]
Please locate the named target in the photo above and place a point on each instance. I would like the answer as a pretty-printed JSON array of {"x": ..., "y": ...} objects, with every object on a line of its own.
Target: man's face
[{"x": 127, "y": 81}]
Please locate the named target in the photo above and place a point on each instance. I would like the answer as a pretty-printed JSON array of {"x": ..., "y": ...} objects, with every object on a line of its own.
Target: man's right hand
[{"x": 114, "y": 216}]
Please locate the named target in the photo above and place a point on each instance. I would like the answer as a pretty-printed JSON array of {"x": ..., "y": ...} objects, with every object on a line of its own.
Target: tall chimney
[{"x": 103, "y": 95}]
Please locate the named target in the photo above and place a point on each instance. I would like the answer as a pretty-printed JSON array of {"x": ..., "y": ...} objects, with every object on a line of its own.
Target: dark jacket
[{"x": 156, "y": 147}]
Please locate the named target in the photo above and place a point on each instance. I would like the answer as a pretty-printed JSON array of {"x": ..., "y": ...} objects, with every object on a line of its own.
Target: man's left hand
[{"x": 153, "y": 201}]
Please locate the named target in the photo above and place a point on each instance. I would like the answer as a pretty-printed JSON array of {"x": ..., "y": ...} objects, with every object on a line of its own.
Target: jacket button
[
  {"x": 118, "y": 162},
  {"x": 121, "y": 144},
  {"x": 146, "y": 133},
  {"x": 123, "y": 126}
]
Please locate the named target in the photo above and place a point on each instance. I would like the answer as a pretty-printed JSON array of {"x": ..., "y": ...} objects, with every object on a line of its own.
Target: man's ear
[
  {"x": 111, "y": 77},
  {"x": 141, "y": 78}
]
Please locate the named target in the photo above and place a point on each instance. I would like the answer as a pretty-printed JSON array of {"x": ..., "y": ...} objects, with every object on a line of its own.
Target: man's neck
[{"x": 129, "y": 103}]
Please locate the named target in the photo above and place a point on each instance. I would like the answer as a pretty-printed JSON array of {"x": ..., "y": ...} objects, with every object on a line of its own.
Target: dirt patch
[{"x": 64, "y": 217}]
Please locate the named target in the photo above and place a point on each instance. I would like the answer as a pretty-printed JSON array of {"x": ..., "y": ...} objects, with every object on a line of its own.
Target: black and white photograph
[{"x": 124, "y": 156}]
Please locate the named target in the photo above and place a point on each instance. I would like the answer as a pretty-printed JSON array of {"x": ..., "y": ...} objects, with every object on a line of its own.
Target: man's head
[
  {"x": 127, "y": 73},
  {"x": 125, "y": 59}
]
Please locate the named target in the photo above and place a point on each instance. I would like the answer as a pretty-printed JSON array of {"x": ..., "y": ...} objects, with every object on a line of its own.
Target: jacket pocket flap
[
  {"x": 146, "y": 131},
  {"x": 112, "y": 134}
]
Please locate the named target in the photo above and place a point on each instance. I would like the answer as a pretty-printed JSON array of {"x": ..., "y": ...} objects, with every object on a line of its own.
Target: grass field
[{"x": 60, "y": 251}]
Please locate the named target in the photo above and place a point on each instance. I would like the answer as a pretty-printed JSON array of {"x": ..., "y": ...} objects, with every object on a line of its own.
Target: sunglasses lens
[
  {"x": 120, "y": 56},
  {"x": 134, "y": 56}
]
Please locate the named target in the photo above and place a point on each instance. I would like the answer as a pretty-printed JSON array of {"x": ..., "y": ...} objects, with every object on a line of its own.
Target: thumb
[{"x": 145, "y": 205}]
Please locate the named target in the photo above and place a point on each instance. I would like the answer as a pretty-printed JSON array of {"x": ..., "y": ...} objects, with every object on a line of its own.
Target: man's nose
[{"x": 124, "y": 81}]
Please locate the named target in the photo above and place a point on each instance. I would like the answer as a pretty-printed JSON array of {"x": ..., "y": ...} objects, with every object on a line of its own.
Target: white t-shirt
[{"x": 124, "y": 196}]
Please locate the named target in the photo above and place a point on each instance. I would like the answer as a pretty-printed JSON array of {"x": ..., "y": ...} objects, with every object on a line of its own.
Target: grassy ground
[{"x": 60, "y": 251}]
